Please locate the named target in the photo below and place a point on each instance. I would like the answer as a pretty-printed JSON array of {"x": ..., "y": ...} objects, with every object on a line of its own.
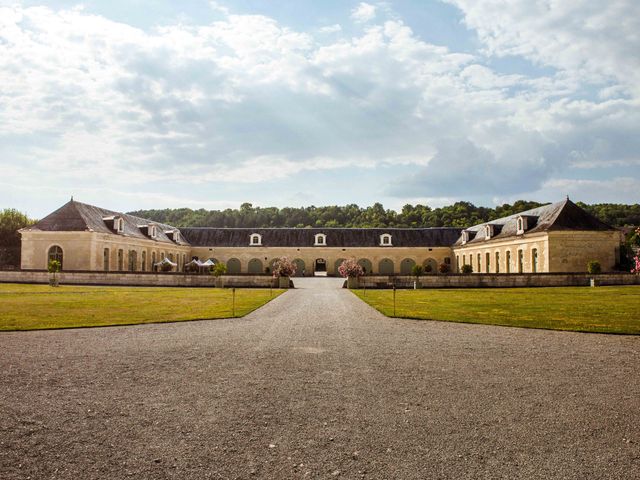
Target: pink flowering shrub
[
  {"x": 283, "y": 267},
  {"x": 350, "y": 268},
  {"x": 636, "y": 259}
]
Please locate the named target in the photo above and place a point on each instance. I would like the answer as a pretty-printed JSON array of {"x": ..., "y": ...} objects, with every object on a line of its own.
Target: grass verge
[
  {"x": 580, "y": 309},
  {"x": 32, "y": 307}
]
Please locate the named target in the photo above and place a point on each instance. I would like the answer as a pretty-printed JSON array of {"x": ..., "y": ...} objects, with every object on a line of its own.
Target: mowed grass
[
  {"x": 581, "y": 309},
  {"x": 30, "y": 307}
]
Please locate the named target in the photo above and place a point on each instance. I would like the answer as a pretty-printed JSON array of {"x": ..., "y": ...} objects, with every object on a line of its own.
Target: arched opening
[
  {"x": 144, "y": 261},
  {"x": 233, "y": 266},
  {"x": 320, "y": 266},
  {"x": 133, "y": 260},
  {"x": 430, "y": 266},
  {"x": 336, "y": 266},
  {"x": 534, "y": 260},
  {"x": 255, "y": 266},
  {"x": 366, "y": 265},
  {"x": 55, "y": 253},
  {"x": 300, "y": 267},
  {"x": 120, "y": 260},
  {"x": 406, "y": 266},
  {"x": 385, "y": 267},
  {"x": 105, "y": 260}
]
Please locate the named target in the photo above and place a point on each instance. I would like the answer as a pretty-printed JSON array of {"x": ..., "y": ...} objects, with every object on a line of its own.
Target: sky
[{"x": 136, "y": 104}]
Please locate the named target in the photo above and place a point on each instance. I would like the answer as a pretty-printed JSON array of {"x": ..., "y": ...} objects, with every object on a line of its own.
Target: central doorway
[{"x": 320, "y": 267}]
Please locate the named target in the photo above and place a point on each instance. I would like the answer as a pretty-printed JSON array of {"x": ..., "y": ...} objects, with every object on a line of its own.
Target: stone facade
[{"x": 389, "y": 260}]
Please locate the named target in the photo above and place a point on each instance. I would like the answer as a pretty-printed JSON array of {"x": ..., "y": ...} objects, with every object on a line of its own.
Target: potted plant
[
  {"x": 54, "y": 267},
  {"x": 351, "y": 270},
  {"x": 417, "y": 271},
  {"x": 283, "y": 268},
  {"x": 218, "y": 270}
]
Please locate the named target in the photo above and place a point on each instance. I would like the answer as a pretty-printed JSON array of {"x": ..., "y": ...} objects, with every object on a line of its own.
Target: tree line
[{"x": 460, "y": 214}]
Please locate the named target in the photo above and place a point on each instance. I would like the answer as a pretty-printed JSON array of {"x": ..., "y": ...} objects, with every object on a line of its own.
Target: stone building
[
  {"x": 555, "y": 238},
  {"x": 560, "y": 237}
]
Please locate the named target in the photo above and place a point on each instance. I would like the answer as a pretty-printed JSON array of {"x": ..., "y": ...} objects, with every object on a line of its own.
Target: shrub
[
  {"x": 54, "y": 266},
  {"x": 594, "y": 267},
  {"x": 636, "y": 268},
  {"x": 444, "y": 268},
  {"x": 350, "y": 268},
  {"x": 283, "y": 267},
  {"x": 218, "y": 269},
  {"x": 417, "y": 270},
  {"x": 428, "y": 268},
  {"x": 466, "y": 268}
]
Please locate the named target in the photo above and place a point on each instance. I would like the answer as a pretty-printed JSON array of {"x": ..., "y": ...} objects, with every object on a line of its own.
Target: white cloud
[
  {"x": 335, "y": 28},
  {"x": 364, "y": 12},
  {"x": 248, "y": 101}
]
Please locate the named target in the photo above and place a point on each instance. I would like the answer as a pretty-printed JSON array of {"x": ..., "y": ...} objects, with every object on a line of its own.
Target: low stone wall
[
  {"x": 137, "y": 279},
  {"x": 479, "y": 280}
]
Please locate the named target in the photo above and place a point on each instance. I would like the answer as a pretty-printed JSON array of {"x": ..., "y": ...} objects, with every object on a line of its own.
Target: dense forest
[{"x": 460, "y": 214}]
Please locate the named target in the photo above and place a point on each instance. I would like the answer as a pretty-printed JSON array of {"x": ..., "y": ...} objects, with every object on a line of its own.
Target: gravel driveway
[{"x": 318, "y": 385}]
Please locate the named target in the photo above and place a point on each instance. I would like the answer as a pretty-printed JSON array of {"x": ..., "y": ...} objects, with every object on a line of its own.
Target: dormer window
[
  {"x": 173, "y": 235},
  {"x": 522, "y": 225},
  {"x": 255, "y": 239},
  {"x": 153, "y": 231},
  {"x": 465, "y": 236},
  {"x": 320, "y": 239},
  {"x": 385, "y": 240},
  {"x": 118, "y": 224},
  {"x": 488, "y": 231}
]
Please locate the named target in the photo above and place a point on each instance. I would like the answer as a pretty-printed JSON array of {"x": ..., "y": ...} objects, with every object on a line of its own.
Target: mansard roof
[
  {"x": 81, "y": 217},
  {"x": 335, "y": 237},
  {"x": 564, "y": 215}
]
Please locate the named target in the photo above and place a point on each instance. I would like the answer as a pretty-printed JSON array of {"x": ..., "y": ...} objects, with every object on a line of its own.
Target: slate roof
[
  {"x": 81, "y": 217},
  {"x": 335, "y": 237},
  {"x": 564, "y": 215}
]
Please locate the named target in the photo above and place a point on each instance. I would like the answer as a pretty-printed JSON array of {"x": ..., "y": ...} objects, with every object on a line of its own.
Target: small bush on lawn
[
  {"x": 467, "y": 268},
  {"x": 444, "y": 268},
  {"x": 594, "y": 267}
]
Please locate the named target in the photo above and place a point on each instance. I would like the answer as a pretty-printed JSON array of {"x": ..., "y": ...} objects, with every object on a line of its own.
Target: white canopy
[
  {"x": 195, "y": 262},
  {"x": 165, "y": 261},
  {"x": 208, "y": 263}
]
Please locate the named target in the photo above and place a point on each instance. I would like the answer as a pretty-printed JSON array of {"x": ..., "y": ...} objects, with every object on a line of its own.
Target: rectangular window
[{"x": 458, "y": 262}]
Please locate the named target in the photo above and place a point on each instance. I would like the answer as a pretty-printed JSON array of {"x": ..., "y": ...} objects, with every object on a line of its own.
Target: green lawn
[
  {"x": 29, "y": 307},
  {"x": 582, "y": 309}
]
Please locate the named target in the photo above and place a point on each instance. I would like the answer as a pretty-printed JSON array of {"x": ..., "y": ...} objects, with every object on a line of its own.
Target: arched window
[
  {"x": 508, "y": 261},
  {"x": 320, "y": 239},
  {"x": 153, "y": 261},
  {"x": 120, "y": 260},
  {"x": 55, "y": 253},
  {"x": 520, "y": 261},
  {"x": 478, "y": 258},
  {"x": 144, "y": 261},
  {"x": 488, "y": 261},
  {"x": 133, "y": 260},
  {"x": 534, "y": 260},
  {"x": 497, "y": 262},
  {"x": 256, "y": 239},
  {"x": 119, "y": 224},
  {"x": 385, "y": 240},
  {"x": 105, "y": 260}
]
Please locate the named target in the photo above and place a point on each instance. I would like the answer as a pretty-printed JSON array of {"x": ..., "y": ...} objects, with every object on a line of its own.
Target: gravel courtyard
[{"x": 318, "y": 385}]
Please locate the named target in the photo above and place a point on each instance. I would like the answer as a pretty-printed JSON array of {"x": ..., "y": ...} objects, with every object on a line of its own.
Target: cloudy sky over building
[{"x": 134, "y": 104}]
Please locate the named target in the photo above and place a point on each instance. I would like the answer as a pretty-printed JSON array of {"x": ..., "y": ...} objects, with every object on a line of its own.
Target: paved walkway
[{"x": 318, "y": 385}]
